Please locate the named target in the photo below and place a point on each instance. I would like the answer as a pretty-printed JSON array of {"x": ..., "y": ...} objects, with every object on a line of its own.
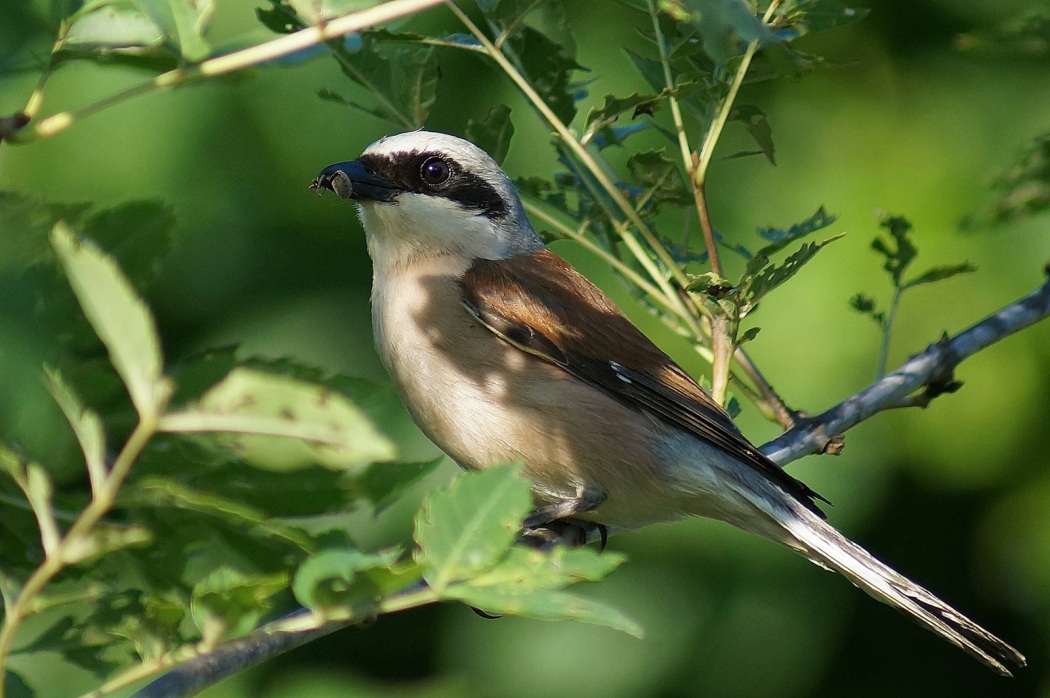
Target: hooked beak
[{"x": 352, "y": 180}]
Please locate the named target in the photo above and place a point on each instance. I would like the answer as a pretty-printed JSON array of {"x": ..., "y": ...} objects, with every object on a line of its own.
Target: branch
[{"x": 932, "y": 370}]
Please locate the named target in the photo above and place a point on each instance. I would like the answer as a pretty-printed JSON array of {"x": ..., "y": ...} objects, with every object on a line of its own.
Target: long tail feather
[{"x": 826, "y": 546}]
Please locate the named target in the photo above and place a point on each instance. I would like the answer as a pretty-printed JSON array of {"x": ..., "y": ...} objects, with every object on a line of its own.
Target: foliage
[
  {"x": 203, "y": 498},
  {"x": 181, "y": 545},
  {"x": 899, "y": 251}
]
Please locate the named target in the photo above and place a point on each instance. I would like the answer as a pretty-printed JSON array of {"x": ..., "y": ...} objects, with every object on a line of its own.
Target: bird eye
[{"x": 435, "y": 171}]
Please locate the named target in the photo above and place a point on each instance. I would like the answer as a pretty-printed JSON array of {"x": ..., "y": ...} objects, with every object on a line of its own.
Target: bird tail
[{"x": 827, "y": 547}]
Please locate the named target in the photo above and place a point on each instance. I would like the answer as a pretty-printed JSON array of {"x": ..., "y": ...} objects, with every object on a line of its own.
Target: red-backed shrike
[{"x": 503, "y": 352}]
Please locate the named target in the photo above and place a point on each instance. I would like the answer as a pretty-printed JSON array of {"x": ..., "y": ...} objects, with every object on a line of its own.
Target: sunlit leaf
[
  {"x": 544, "y": 605},
  {"x": 330, "y": 578},
  {"x": 228, "y": 603},
  {"x": 104, "y": 539},
  {"x": 468, "y": 526},
  {"x": 315, "y": 424},
  {"x": 820, "y": 15},
  {"x": 119, "y": 317},
  {"x": 525, "y": 568}
]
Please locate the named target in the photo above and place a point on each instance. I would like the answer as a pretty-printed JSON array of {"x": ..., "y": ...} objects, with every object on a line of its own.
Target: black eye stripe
[{"x": 469, "y": 190}]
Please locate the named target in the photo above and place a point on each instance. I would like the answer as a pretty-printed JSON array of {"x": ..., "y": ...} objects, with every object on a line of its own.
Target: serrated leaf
[
  {"x": 754, "y": 287},
  {"x": 492, "y": 133},
  {"x": 330, "y": 578},
  {"x": 544, "y": 605},
  {"x": 899, "y": 250},
  {"x": 87, "y": 427},
  {"x": 549, "y": 67},
  {"x": 467, "y": 527},
  {"x": 403, "y": 83},
  {"x": 314, "y": 423},
  {"x": 229, "y": 603},
  {"x": 710, "y": 284},
  {"x": 601, "y": 117},
  {"x": 159, "y": 493},
  {"x": 119, "y": 318},
  {"x": 779, "y": 238},
  {"x": 940, "y": 273}
]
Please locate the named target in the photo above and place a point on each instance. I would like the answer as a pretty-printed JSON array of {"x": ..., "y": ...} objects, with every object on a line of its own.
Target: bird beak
[{"x": 352, "y": 180}]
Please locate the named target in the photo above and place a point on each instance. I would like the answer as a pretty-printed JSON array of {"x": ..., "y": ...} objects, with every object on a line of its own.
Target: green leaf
[
  {"x": 190, "y": 18},
  {"x": 758, "y": 126},
  {"x": 104, "y": 539},
  {"x": 87, "y": 427},
  {"x": 710, "y": 284},
  {"x": 403, "y": 84},
  {"x": 382, "y": 483},
  {"x": 756, "y": 284},
  {"x": 661, "y": 179},
  {"x": 331, "y": 579},
  {"x": 525, "y": 568},
  {"x": 27, "y": 221},
  {"x": 727, "y": 26},
  {"x": 137, "y": 235},
  {"x": 112, "y": 25},
  {"x": 314, "y": 423},
  {"x": 820, "y": 15},
  {"x": 779, "y": 238},
  {"x": 119, "y": 317},
  {"x": 549, "y": 67},
  {"x": 940, "y": 273},
  {"x": 866, "y": 305},
  {"x": 1023, "y": 188},
  {"x": 899, "y": 250},
  {"x": 544, "y": 605},
  {"x": 492, "y": 133},
  {"x": 160, "y": 493},
  {"x": 229, "y": 603},
  {"x": 467, "y": 527},
  {"x": 15, "y": 686}
]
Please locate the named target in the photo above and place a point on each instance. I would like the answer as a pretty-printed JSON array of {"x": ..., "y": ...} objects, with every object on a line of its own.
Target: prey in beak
[{"x": 354, "y": 180}]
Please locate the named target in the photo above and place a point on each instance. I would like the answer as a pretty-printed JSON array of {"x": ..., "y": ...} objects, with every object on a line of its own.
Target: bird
[{"x": 502, "y": 352}]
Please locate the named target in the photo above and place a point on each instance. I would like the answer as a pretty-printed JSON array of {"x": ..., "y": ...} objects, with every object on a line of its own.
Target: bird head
[{"x": 424, "y": 194}]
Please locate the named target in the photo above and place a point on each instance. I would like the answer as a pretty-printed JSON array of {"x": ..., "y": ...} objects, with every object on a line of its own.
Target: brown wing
[{"x": 543, "y": 306}]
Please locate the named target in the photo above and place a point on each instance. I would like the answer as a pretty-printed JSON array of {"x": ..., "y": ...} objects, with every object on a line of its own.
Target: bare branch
[{"x": 932, "y": 370}]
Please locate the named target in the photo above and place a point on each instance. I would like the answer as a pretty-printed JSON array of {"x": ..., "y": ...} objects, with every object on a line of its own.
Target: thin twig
[
  {"x": 930, "y": 368},
  {"x": 231, "y": 62}
]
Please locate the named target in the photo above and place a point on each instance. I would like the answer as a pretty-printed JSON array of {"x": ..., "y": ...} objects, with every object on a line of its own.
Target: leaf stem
[
  {"x": 56, "y": 559},
  {"x": 231, "y": 62},
  {"x": 592, "y": 166},
  {"x": 887, "y": 332}
]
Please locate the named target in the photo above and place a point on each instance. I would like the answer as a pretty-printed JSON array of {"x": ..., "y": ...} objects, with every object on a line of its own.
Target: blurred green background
[{"x": 956, "y": 496}]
